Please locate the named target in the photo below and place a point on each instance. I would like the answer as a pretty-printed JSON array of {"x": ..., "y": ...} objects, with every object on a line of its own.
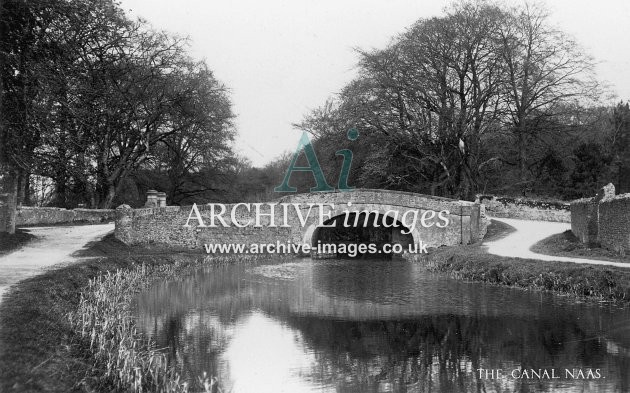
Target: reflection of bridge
[
  {"x": 349, "y": 290},
  {"x": 303, "y": 216},
  {"x": 366, "y": 326}
]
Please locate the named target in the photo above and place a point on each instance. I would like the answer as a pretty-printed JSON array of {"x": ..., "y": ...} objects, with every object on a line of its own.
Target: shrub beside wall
[{"x": 505, "y": 207}]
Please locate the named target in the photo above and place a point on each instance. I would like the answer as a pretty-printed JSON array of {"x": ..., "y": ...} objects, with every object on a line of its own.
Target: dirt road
[
  {"x": 528, "y": 233},
  {"x": 52, "y": 246}
]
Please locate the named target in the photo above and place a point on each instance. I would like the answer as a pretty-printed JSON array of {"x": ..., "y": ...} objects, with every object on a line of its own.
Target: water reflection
[{"x": 378, "y": 326}]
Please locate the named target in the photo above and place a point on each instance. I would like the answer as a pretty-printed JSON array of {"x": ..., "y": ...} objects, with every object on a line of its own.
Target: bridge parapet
[
  {"x": 384, "y": 197},
  {"x": 166, "y": 224}
]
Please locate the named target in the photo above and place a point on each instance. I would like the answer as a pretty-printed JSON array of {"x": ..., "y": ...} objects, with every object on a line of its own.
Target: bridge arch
[{"x": 311, "y": 232}]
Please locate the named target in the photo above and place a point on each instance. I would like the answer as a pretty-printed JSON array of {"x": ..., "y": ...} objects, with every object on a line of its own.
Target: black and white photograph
[{"x": 300, "y": 196}]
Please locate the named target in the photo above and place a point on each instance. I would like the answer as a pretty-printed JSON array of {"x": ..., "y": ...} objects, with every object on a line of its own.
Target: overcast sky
[{"x": 281, "y": 58}]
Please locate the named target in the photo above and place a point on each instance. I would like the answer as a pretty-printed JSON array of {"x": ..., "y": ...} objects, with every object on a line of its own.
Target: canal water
[{"x": 381, "y": 326}]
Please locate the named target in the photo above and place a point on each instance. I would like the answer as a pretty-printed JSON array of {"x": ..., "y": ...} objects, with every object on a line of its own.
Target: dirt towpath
[
  {"x": 52, "y": 246},
  {"x": 518, "y": 243}
]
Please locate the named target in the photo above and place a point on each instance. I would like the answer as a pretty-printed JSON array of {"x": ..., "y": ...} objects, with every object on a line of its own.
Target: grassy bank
[
  {"x": 498, "y": 230},
  {"x": 567, "y": 245},
  {"x": 582, "y": 280},
  {"x": 123, "y": 358},
  {"x": 473, "y": 263},
  {"x": 9, "y": 243},
  {"x": 43, "y": 350}
]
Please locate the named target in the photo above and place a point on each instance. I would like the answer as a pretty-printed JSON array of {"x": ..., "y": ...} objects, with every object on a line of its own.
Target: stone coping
[
  {"x": 146, "y": 211},
  {"x": 376, "y": 190},
  {"x": 51, "y": 208},
  {"x": 531, "y": 202}
]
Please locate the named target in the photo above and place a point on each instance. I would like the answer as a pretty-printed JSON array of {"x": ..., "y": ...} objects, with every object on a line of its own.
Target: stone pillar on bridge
[
  {"x": 152, "y": 199},
  {"x": 161, "y": 199}
]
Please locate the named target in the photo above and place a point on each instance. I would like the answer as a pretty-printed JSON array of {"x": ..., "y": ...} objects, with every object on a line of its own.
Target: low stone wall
[
  {"x": 614, "y": 223},
  {"x": 166, "y": 224},
  {"x": 32, "y": 216},
  {"x": 504, "y": 207}
]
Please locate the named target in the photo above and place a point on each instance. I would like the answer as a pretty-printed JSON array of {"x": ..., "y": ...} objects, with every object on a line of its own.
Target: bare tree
[
  {"x": 544, "y": 72},
  {"x": 433, "y": 94},
  {"x": 202, "y": 145},
  {"x": 92, "y": 95},
  {"x": 449, "y": 90},
  {"x": 119, "y": 92}
]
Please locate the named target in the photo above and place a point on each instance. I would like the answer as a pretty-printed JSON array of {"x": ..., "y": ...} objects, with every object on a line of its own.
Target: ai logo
[{"x": 314, "y": 167}]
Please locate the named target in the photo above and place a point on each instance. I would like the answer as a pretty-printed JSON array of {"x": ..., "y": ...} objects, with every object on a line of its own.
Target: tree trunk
[
  {"x": 522, "y": 156},
  {"x": 105, "y": 192},
  {"x": 22, "y": 186},
  {"x": 26, "y": 184},
  {"x": 12, "y": 189},
  {"x": 92, "y": 199},
  {"x": 108, "y": 198},
  {"x": 61, "y": 192}
]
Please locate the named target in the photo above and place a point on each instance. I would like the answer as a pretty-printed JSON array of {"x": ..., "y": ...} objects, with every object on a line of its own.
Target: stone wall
[
  {"x": 526, "y": 209},
  {"x": 614, "y": 223},
  {"x": 603, "y": 219},
  {"x": 166, "y": 224},
  {"x": 32, "y": 216}
]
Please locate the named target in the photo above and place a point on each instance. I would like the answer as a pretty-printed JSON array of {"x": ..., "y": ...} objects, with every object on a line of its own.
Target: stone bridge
[
  {"x": 464, "y": 217},
  {"x": 297, "y": 218}
]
